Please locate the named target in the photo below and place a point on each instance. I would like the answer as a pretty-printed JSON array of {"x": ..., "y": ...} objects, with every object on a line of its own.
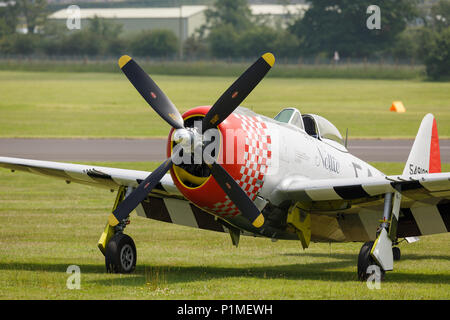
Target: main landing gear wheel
[
  {"x": 396, "y": 253},
  {"x": 120, "y": 254},
  {"x": 365, "y": 261}
]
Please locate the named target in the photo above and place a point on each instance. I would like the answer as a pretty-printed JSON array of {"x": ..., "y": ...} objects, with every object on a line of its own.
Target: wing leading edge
[
  {"x": 111, "y": 178},
  {"x": 427, "y": 188}
]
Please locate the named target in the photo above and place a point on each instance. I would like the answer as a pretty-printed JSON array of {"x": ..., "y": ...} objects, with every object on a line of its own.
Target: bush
[
  {"x": 223, "y": 42},
  {"x": 437, "y": 61},
  {"x": 194, "y": 47},
  {"x": 256, "y": 41},
  {"x": 155, "y": 43},
  {"x": 19, "y": 44},
  {"x": 226, "y": 42}
]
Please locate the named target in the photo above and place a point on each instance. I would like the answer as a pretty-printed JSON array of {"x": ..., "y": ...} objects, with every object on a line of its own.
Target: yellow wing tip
[
  {"x": 112, "y": 220},
  {"x": 123, "y": 60},
  {"x": 259, "y": 221},
  {"x": 269, "y": 58}
]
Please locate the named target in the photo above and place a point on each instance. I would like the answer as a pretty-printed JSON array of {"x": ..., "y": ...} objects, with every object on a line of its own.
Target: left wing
[
  {"x": 111, "y": 178},
  {"x": 164, "y": 203}
]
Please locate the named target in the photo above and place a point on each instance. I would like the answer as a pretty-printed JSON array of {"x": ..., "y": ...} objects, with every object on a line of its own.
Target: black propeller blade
[
  {"x": 151, "y": 92},
  {"x": 223, "y": 107},
  {"x": 237, "y": 195},
  {"x": 124, "y": 209},
  {"x": 238, "y": 91}
]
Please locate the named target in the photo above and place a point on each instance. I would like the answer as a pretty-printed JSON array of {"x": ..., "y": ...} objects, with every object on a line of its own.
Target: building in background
[{"x": 183, "y": 21}]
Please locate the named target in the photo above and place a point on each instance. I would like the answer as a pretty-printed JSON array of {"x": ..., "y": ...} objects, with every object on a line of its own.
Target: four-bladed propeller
[{"x": 223, "y": 107}]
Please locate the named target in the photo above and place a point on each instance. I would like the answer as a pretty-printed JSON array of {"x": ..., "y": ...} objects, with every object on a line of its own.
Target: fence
[{"x": 303, "y": 67}]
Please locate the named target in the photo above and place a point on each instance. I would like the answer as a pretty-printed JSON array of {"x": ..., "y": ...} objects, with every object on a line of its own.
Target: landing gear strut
[
  {"x": 118, "y": 248},
  {"x": 380, "y": 254}
]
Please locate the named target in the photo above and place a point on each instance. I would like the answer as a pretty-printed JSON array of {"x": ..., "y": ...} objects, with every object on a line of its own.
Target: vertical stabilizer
[{"x": 425, "y": 156}]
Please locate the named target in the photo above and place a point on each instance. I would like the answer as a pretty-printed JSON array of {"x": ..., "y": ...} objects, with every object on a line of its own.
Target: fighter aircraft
[{"x": 291, "y": 177}]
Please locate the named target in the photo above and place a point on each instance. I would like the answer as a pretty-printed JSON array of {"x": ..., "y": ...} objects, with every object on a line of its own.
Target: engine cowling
[{"x": 244, "y": 152}]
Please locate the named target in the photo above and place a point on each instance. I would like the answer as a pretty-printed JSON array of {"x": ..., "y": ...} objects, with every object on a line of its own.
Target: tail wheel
[
  {"x": 120, "y": 254},
  {"x": 365, "y": 261}
]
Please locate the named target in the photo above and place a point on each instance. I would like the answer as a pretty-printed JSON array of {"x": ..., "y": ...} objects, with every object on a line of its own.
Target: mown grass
[
  {"x": 48, "y": 225},
  {"x": 48, "y": 104}
]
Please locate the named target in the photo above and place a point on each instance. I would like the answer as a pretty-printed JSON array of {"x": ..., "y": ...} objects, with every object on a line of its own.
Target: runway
[{"x": 155, "y": 149}]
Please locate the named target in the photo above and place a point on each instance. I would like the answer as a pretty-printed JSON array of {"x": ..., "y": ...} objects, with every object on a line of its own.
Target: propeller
[
  {"x": 238, "y": 91},
  {"x": 223, "y": 107},
  {"x": 151, "y": 92},
  {"x": 237, "y": 195}
]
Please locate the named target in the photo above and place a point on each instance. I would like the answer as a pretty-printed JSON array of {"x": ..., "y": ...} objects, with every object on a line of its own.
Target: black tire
[
  {"x": 120, "y": 254},
  {"x": 396, "y": 253},
  {"x": 365, "y": 260}
]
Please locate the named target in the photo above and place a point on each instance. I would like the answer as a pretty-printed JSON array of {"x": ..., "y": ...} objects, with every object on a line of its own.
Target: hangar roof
[
  {"x": 127, "y": 13},
  {"x": 186, "y": 11}
]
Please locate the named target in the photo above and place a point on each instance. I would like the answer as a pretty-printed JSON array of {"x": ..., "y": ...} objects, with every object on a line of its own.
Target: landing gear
[
  {"x": 366, "y": 264},
  {"x": 120, "y": 254},
  {"x": 396, "y": 253},
  {"x": 118, "y": 248},
  {"x": 378, "y": 255}
]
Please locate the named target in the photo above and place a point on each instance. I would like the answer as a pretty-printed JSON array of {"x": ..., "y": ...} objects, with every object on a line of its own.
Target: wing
[
  {"x": 164, "y": 203},
  {"x": 426, "y": 188},
  {"x": 111, "y": 178},
  {"x": 350, "y": 209}
]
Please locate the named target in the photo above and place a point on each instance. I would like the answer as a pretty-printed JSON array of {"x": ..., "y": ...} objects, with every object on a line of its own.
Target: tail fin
[{"x": 425, "y": 156}]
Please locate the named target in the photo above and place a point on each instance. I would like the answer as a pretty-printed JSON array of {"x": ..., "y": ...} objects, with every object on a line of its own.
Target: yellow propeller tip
[
  {"x": 259, "y": 221},
  {"x": 112, "y": 220},
  {"x": 269, "y": 58},
  {"x": 123, "y": 60}
]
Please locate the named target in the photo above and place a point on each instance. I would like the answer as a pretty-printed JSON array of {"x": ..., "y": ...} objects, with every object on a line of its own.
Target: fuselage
[{"x": 260, "y": 153}]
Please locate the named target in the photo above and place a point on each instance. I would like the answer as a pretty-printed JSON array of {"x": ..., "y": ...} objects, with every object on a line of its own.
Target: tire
[
  {"x": 120, "y": 254},
  {"x": 396, "y": 253},
  {"x": 365, "y": 260}
]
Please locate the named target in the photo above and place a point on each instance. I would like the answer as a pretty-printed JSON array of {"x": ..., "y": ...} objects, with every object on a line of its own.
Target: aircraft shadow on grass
[{"x": 322, "y": 271}]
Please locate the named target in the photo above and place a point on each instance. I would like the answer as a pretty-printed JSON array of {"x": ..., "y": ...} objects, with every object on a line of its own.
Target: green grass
[
  {"x": 46, "y": 104},
  {"x": 48, "y": 225}
]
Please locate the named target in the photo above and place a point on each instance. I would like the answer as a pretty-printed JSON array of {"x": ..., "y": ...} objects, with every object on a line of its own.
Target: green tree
[
  {"x": 8, "y": 18},
  {"x": 107, "y": 35},
  {"x": 235, "y": 13},
  {"x": 194, "y": 47},
  {"x": 223, "y": 41},
  {"x": 437, "y": 59},
  {"x": 34, "y": 12},
  {"x": 18, "y": 44},
  {"x": 440, "y": 14},
  {"x": 332, "y": 25},
  {"x": 156, "y": 43}
]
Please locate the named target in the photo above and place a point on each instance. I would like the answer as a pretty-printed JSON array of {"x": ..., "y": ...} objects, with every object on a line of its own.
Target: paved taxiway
[{"x": 155, "y": 149}]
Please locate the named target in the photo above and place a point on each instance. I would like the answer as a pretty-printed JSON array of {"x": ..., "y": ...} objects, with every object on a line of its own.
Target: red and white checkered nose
[{"x": 245, "y": 153}]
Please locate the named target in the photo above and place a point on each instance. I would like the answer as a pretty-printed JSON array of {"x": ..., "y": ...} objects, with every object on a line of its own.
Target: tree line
[{"x": 408, "y": 30}]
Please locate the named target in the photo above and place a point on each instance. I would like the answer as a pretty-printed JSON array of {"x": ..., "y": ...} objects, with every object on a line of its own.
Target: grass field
[
  {"x": 48, "y": 225},
  {"x": 46, "y": 104}
]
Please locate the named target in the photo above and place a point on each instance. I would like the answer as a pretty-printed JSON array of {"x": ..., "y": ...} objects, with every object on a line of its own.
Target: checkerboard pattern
[{"x": 257, "y": 157}]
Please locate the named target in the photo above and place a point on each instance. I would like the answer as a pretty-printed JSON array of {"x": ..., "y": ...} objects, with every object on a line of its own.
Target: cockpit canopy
[
  {"x": 314, "y": 125},
  {"x": 291, "y": 116}
]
